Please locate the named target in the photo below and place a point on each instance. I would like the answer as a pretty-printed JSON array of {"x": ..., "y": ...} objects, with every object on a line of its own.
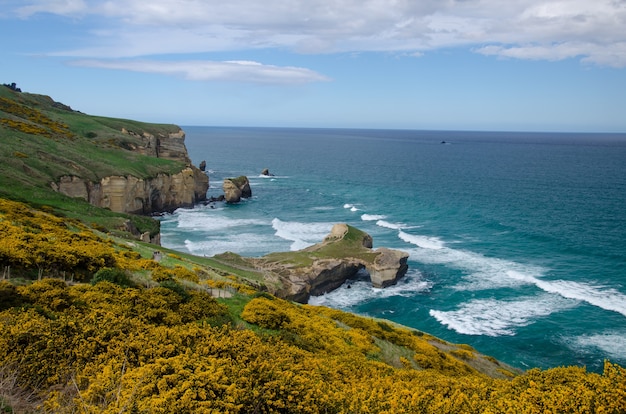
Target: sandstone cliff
[{"x": 130, "y": 194}]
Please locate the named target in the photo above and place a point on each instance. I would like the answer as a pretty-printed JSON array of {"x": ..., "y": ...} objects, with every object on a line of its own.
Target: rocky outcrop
[
  {"x": 128, "y": 194},
  {"x": 266, "y": 172},
  {"x": 387, "y": 267},
  {"x": 323, "y": 267},
  {"x": 170, "y": 145},
  {"x": 236, "y": 188}
]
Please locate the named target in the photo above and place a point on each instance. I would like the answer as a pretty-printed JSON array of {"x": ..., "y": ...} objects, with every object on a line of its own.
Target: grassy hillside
[
  {"x": 93, "y": 322},
  {"x": 42, "y": 140},
  {"x": 190, "y": 335}
]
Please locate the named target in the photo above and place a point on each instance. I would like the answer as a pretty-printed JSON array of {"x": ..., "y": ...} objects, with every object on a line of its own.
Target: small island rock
[{"x": 236, "y": 188}]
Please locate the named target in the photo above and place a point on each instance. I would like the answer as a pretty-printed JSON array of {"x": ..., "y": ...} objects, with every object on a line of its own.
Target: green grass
[{"x": 90, "y": 147}]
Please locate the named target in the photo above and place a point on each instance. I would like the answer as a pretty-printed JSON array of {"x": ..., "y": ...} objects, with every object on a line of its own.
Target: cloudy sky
[{"x": 534, "y": 65}]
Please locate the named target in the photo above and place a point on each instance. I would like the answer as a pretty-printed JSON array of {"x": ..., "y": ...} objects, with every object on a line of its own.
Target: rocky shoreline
[{"x": 325, "y": 266}]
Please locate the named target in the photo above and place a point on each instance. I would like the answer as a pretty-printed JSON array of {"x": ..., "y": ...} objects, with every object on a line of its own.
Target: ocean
[{"x": 516, "y": 241}]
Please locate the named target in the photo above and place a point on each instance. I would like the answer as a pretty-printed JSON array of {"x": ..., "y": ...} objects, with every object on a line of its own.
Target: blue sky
[{"x": 524, "y": 65}]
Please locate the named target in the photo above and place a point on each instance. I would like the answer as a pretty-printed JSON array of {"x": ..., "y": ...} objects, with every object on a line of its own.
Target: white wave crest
[
  {"x": 301, "y": 234},
  {"x": 601, "y": 296},
  {"x": 493, "y": 317},
  {"x": 351, "y": 207},
  {"x": 425, "y": 242},
  {"x": 372, "y": 217},
  {"x": 481, "y": 272},
  {"x": 199, "y": 220},
  {"x": 484, "y": 272},
  {"x": 246, "y": 244},
  {"x": 388, "y": 225}
]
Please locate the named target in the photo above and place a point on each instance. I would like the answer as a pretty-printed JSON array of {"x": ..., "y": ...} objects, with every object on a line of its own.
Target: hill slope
[
  {"x": 43, "y": 141},
  {"x": 94, "y": 322}
]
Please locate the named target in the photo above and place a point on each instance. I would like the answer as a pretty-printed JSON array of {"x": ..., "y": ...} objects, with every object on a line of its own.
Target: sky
[{"x": 517, "y": 65}]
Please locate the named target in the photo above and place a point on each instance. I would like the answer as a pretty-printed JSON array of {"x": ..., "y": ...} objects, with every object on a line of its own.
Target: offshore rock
[{"x": 236, "y": 188}]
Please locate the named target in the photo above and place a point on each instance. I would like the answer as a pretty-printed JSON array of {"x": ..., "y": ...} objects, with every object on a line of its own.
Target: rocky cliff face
[
  {"x": 129, "y": 194},
  {"x": 170, "y": 146}
]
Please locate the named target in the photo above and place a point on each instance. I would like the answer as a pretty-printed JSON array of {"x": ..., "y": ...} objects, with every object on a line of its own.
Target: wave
[
  {"x": 482, "y": 272},
  {"x": 388, "y": 225},
  {"x": 357, "y": 292},
  {"x": 351, "y": 207},
  {"x": 199, "y": 220},
  {"x": 301, "y": 234},
  {"x": 246, "y": 244},
  {"x": 597, "y": 295},
  {"x": 611, "y": 343},
  {"x": 479, "y": 272},
  {"x": 493, "y": 317},
  {"x": 425, "y": 242},
  {"x": 372, "y": 217}
]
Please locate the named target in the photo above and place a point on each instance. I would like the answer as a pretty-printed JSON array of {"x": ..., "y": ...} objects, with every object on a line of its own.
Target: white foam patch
[
  {"x": 597, "y": 295},
  {"x": 323, "y": 208},
  {"x": 241, "y": 243},
  {"x": 425, "y": 242},
  {"x": 372, "y": 217},
  {"x": 202, "y": 221},
  {"x": 483, "y": 273},
  {"x": 493, "y": 317},
  {"x": 611, "y": 343},
  {"x": 480, "y": 272},
  {"x": 301, "y": 234},
  {"x": 388, "y": 225},
  {"x": 351, "y": 207},
  {"x": 355, "y": 292}
]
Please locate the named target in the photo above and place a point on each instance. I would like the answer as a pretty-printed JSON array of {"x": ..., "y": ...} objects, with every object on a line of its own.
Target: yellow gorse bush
[{"x": 106, "y": 349}]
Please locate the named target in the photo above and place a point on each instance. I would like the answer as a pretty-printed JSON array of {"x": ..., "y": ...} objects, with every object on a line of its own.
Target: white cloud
[
  {"x": 592, "y": 30},
  {"x": 236, "y": 71},
  {"x": 61, "y": 7}
]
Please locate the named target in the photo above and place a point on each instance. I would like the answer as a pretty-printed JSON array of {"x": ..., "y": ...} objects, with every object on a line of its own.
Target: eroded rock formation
[
  {"x": 236, "y": 188},
  {"x": 130, "y": 194},
  {"x": 323, "y": 267}
]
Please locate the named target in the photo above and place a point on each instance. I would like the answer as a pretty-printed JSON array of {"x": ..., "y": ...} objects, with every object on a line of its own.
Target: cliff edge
[{"x": 137, "y": 195}]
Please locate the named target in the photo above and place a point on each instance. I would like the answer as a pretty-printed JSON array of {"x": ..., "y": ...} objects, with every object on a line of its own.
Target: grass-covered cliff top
[{"x": 42, "y": 140}]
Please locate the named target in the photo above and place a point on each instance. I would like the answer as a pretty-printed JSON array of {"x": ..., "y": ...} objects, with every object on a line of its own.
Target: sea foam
[
  {"x": 493, "y": 317},
  {"x": 356, "y": 292},
  {"x": 480, "y": 272},
  {"x": 372, "y": 217},
  {"x": 301, "y": 235},
  {"x": 611, "y": 343}
]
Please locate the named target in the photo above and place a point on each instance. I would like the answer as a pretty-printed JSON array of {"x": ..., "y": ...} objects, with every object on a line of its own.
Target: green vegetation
[
  {"x": 42, "y": 140},
  {"x": 91, "y": 321}
]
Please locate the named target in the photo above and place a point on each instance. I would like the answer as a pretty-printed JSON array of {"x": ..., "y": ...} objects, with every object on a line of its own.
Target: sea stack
[{"x": 236, "y": 188}]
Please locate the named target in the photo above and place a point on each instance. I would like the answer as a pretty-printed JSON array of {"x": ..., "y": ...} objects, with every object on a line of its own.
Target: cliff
[{"x": 135, "y": 195}]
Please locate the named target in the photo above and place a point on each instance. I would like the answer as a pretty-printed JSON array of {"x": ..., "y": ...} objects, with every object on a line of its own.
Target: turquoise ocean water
[{"x": 517, "y": 241}]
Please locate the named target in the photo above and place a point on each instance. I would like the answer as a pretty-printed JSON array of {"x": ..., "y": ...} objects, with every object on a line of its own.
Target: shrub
[
  {"x": 176, "y": 288},
  {"x": 9, "y": 296},
  {"x": 113, "y": 275}
]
